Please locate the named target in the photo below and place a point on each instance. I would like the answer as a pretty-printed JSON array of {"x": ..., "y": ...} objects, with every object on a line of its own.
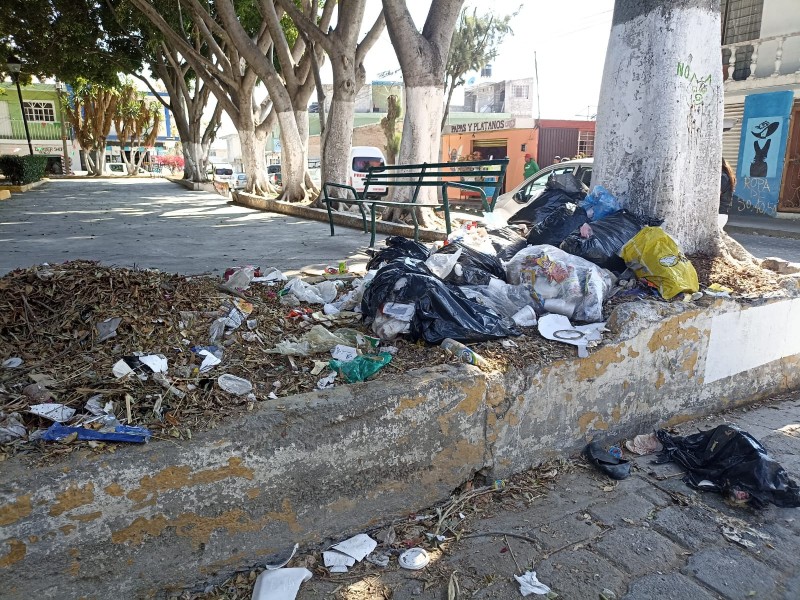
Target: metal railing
[
  {"x": 14, "y": 129},
  {"x": 736, "y": 67}
]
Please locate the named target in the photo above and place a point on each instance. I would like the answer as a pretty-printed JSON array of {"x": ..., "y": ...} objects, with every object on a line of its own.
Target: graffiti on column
[{"x": 698, "y": 83}]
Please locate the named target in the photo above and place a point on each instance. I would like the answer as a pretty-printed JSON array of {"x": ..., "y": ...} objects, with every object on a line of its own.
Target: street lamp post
[
  {"x": 14, "y": 66},
  {"x": 65, "y": 166}
]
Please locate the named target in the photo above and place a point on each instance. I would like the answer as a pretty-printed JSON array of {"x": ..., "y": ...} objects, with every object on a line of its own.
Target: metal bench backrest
[{"x": 435, "y": 174}]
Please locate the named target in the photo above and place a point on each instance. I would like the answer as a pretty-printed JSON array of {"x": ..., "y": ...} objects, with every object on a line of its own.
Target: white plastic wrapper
[{"x": 564, "y": 283}]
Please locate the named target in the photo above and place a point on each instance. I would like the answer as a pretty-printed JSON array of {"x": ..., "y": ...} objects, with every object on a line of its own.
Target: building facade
[
  {"x": 504, "y": 136},
  {"x": 761, "y": 74},
  {"x": 513, "y": 96},
  {"x": 46, "y": 124}
]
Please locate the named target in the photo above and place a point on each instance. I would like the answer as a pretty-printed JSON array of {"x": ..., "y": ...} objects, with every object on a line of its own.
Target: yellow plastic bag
[{"x": 655, "y": 257}]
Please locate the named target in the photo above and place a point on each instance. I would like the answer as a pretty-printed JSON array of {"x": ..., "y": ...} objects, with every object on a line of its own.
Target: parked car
[
  {"x": 222, "y": 172},
  {"x": 361, "y": 159},
  {"x": 238, "y": 181},
  {"x": 526, "y": 192},
  {"x": 274, "y": 174}
]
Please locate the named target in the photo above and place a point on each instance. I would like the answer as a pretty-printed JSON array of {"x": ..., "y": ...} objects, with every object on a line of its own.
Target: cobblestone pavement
[{"x": 649, "y": 537}]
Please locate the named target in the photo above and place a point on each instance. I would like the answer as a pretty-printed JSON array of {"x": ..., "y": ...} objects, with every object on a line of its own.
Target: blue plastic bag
[
  {"x": 121, "y": 433},
  {"x": 600, "y": 203}
]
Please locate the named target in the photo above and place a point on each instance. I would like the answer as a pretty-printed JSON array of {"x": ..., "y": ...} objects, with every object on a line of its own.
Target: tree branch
[
  {"x": 402, "y": 32},
  {"x": 279, "y": 42},
  {"x": 178, "y": 40},
  {"x": 155, "y": 92},
  {"x": 307, "y": 26},
  {"x": 372, "y": 36}
]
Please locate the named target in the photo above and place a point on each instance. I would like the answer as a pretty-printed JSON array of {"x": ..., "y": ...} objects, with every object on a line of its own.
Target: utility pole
[{"x": 65, "y": 165}]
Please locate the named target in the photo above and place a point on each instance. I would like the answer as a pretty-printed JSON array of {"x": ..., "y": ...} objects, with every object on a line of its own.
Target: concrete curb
[
  {"x": 318, "y": 466},
  {"x": 341, "y": 219},
  {"x": 769, "y": 232},
  {"x": 19, "y": 189}
]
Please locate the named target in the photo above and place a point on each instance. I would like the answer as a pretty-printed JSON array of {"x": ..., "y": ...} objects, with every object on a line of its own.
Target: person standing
[
  {"x": 530, "y": 166},
  {"x": 727, "y": 185}
]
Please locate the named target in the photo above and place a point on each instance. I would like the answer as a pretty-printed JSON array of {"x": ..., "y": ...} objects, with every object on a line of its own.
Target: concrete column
[{"x": 659, "y": 124}]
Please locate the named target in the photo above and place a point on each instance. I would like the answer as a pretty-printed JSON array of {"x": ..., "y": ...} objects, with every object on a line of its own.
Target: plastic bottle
[{"x": 464, "y": 354}]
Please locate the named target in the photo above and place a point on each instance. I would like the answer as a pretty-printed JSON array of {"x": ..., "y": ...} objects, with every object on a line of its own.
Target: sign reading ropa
[
  {"x": 495, "y": 125},
  {"x": 761, "y": 152}
]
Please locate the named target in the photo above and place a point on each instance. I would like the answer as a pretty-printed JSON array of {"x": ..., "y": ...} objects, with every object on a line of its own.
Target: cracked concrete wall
[{"x": 326, "y": 464}]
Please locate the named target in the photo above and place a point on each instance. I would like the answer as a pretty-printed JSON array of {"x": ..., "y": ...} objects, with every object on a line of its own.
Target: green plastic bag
[
  {"x": 655, "y": 257},
  {"x": 361, "y": 367}
]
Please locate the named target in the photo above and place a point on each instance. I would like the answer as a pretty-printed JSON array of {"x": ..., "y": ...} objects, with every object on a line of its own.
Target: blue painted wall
[{"x": 762, "y": 148}]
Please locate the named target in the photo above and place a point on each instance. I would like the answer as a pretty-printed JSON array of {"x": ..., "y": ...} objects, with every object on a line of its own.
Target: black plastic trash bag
[
  {"x": 538, "y": 210},
  {"x": 606, "y": 237},
  {"x": 731, "y": 461},
  {"x": 397, "y": 247},
  {"x": 441, "y": 310},
  {"x": 506, "y": 242},
  {"x": 568, "y": 183},
  {"x": 475, "y": 265},
  {"x": 557, "y": 225}
]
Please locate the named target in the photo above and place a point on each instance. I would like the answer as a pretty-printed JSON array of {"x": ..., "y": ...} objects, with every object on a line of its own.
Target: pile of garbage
[
  {"x": 107, "y": 355},
  {"x": 103, "y": 354}
]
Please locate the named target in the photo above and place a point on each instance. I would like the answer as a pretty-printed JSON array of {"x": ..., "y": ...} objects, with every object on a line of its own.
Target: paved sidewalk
[
  {"x": 153, "y": 223},
  {"x": 649, "y": 537},
  {"x": 785, "y": 226}
]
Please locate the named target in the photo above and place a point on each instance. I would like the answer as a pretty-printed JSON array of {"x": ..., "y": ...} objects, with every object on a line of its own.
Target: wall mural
[{"x": 762, "y": 148}]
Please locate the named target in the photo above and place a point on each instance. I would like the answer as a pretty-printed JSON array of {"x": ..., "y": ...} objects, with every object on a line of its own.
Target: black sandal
[{"x": 616, "y": 468}]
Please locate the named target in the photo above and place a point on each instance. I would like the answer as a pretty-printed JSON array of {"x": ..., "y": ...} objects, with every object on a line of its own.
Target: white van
[
  {"x": 361, "y": 159},
  {"x": 222, "y": 172}
]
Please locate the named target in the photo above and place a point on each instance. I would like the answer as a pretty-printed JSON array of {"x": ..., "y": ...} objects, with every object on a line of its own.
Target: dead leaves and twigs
[{"x": 49, "y": 316}]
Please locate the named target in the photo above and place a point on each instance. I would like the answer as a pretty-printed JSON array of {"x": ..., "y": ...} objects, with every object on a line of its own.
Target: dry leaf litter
[{"x": 53, "y": 318}]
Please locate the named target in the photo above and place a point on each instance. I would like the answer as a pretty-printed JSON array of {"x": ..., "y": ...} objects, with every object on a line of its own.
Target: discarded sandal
[{"x": 616, "y": 468}]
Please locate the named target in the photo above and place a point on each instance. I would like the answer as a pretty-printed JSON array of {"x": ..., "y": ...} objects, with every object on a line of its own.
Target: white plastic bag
[
  {"x": 240, "y": 279},
  {"x": 317, "y": 340},
  {"x": 564, "y": 283},
  {"x": 441, "y": 264},
  {"x": 505, "y": 299},
  {"x": 321, "y": 293}
]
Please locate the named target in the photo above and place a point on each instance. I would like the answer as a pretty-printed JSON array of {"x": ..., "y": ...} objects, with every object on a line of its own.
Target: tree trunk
[
  {"x": 420, "y": 143},
  {"x": 658, "y": 146},
  {"x": 193, "y": 169},
  {"x": 130, "y": 164},
  {"x": 294, "y": 156},
  {"x": 254, "y": 162},
  {"x": 451, "y": 87},
  {"x": 338, "y": 139},
  {"x": 90, "y": 163}
]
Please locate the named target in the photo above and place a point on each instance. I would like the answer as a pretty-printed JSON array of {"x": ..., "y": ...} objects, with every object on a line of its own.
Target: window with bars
[
  {"x": 586, "y": 143},
  {"x": 520, "y": 91},
  {"x": 39, "y": 111},
  {"x": 741, "y": 22}
]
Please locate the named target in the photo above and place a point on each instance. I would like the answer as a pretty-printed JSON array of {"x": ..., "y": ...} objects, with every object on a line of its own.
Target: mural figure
[{"x": 758, "y": 168}]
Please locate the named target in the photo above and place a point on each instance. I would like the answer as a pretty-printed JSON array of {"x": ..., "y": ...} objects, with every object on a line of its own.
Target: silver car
[{"x": 526, "y": 192}]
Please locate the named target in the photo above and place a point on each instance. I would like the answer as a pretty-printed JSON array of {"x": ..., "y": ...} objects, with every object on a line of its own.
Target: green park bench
[{"x": 482, "y": 178}]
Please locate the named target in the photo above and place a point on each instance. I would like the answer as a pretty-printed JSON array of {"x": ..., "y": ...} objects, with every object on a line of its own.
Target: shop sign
[
  {"x": 482, "y": 126},
  {"x": 48, "y": 149}
]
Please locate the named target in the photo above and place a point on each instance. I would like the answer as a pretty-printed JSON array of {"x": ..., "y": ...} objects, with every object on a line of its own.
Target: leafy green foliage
[
  {"x": 22, "y": 170},
  {"x": 67, "y": 39}
]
